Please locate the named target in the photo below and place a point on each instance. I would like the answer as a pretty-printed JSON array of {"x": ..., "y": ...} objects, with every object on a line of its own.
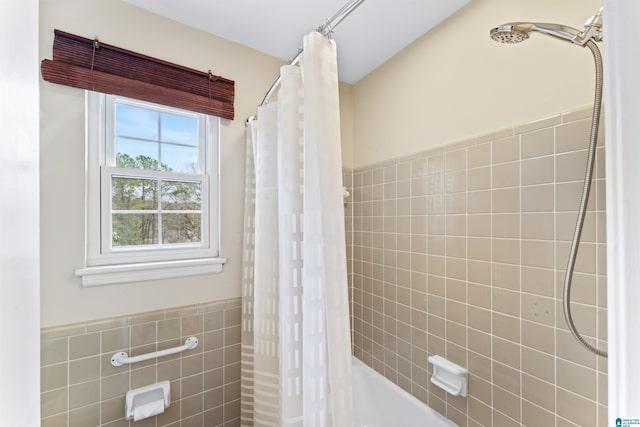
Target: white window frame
[{"x": 106, "y": 265}]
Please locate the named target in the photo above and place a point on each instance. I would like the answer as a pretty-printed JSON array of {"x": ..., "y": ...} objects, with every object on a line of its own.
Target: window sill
[{"x": 125, "y": 273}]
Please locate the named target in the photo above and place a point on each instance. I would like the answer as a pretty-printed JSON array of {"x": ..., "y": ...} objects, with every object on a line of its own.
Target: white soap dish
[{"x": 448, "y": 376}]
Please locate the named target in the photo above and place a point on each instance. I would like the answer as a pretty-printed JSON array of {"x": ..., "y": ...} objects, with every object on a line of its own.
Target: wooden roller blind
[{"x": 89, "y": 64}]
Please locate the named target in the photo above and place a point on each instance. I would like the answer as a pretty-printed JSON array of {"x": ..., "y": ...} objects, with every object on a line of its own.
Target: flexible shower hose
[{"x": 575, "y": 243}]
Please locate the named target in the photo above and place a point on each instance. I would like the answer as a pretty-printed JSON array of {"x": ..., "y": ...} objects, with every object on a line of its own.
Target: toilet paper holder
[
  {"x": 147, "y": 401},
  {"x": 448, "y": 376}
]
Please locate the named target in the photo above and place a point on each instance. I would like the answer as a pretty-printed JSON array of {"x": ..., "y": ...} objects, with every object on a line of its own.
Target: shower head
[
  {"x": 509, "y": 34},
  {"x": 516, "y": 32}
]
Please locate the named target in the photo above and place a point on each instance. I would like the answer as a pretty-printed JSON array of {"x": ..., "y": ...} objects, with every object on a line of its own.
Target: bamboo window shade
[{"x": 88, "y": 64}]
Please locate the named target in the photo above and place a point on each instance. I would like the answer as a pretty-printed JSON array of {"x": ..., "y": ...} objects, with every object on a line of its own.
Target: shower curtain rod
[{"x": 325, "y": 29}]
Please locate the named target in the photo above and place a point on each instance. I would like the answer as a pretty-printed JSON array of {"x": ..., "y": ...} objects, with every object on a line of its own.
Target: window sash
[
  {"x": 106, "y": 237},
  {"x": 110, "y": 151},
  {"x": 99, "y": 192}
]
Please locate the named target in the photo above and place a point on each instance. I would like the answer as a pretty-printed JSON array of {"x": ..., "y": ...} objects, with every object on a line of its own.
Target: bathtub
[{"x": 380, "y": 403}]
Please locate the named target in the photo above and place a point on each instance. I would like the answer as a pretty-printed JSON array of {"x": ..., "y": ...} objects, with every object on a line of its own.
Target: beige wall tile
[
  {"x": 480, "y": 389},
  {"x": 506, "y": 250},
  {"x": 478, "y": 225},
  {"x": 479, "y": 155},
  {"x": 537, "y": 143},
  {"x": 479, "y": 295},
  {"x": 479, "y": 178},
  {"x": 418, "y": 167},
  {"x": 538, "y": 309},
  {"x": 566, "y": 224},
  {"x": 506, "y": 225},
  {"x": 506, "y": 276},
  {"x": 55, "y": 421},
  {"x": 538, "y": 364},
  {"x": 456, "y": 311},
  {"x": 54, "y": 402},
  {"x": 568, "y": 196},
  {"x": 584, "y": 317},
  {"x": 85, "y": 416},
  {"x": 505, "y": 150},
  {"x": 479, "y": 319},
  {"x": 53, "y": 376},
  {"x": 456, "y": 203},
  {"x": 436, "y": 184},
  {"x": 54, "y": 351},
  {"x": 84, "y": 345},
  {"x": 577, "y": 379},
  {"x": 506, "y": 327},
  {"x": 506, "y": 352},
  {"x": 83, "y": 370},
  {"x": 505, "y": 175},
  {"x": 535, "y": 416},
  {"x": 506, "y": 200},
  {"x": 538, "y": 336},
  {"x": 506, "y": 301},
  {"x": 538, "y": 253},
  {"x": 84, "y": 394},
  {"x": 572, "y": 136},
  {"x": 436, "y": 164},
  {"x": 575, "y": 408},
  {"x": 539, "y": 170},
  {"x": 538, "y": 281},
  {"x": 115, "y": 339},
  {"x": 506, "y": 403},
  {"x": 479, "y": 342},
  {"x": 479, "y": 412},
  {"x": 144, "y": 333},
  {"x": 456, "y": 181},
  {"x": 539, "y": 226},
  {"x": 538, "y": 198},
  {"x": 506, "y": 377},
  {"x": 479, "y": 249},
  {"x": 456, "y": 160},
  {"x": 456, "y": 246},
  {"x": 539, "y": 392},
  {"x": 480, "y": 271},
  {"x": 480, "y": 366},
  {"x": 479, "y": 202},
  {"x": 571, "y": 166}
]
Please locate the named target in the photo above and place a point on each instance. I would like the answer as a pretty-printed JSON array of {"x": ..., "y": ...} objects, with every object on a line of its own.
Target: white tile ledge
[{"x": 126, "y": 273}]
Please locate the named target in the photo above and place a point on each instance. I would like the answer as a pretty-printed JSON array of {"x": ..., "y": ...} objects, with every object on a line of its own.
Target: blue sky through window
[{"x": 141, "y": 131}]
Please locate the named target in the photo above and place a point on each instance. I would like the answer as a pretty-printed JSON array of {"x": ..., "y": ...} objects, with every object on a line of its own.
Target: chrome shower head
[
  {"x": 516, "y": 32},
  {"x": 509, "y": 34}
]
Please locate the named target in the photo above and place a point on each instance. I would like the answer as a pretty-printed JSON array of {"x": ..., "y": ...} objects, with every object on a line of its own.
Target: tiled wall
[
  {"x": 460, "y": 251},
  {"x": 80, "y": 387}
]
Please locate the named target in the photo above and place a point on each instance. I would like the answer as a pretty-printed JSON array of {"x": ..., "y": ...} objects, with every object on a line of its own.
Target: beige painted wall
[
  {"x": 62, "y": 158},
  {"x": 455, "y": 82}
]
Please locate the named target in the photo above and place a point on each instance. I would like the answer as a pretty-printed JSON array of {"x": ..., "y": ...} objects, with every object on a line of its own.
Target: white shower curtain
[{"x": 296, "y": 348}]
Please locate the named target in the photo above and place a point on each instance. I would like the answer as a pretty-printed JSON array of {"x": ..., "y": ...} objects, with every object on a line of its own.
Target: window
[{"x": 152, "y": 191}]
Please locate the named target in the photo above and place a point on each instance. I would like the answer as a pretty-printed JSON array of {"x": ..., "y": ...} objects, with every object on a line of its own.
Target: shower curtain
[{"x": 296, "y": 348}]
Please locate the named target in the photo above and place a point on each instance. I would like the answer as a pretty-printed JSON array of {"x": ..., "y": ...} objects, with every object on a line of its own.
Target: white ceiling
[{"x": 372, "y": 34}]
